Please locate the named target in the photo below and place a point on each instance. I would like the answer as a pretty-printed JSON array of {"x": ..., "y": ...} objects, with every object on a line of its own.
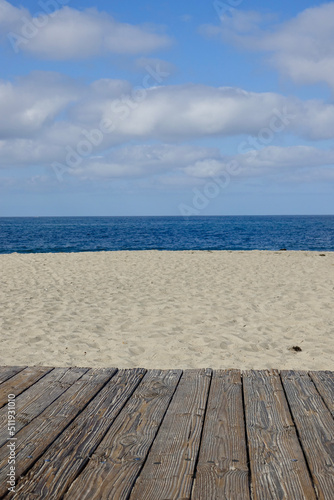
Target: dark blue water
[{"x": 82, "y": 234}]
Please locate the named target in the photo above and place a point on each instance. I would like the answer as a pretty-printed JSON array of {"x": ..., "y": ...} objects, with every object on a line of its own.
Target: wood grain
[
  {"x": 7, "y": 372},
  {"x": 38, "y": 397},
  {"x": 222, "y": 470},
  {"x": 278, "y": 468},
  {"x": 36, "y": 437},
  {"x": 21, "y": 381},
  {"x": 117, "y": 461},
  {"x": 54, "y": 473},
  {"x": 324, "y": 382},
  {"x": 315, "y": 426},
  {"x": 170, "y": 466}
]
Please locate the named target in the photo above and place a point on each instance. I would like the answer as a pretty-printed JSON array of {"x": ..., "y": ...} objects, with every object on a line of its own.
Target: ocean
[{"x": 93, "y": 234}]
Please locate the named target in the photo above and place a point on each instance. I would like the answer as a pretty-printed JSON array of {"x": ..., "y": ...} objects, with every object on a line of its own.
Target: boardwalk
[{"x": 167, "y": 434}]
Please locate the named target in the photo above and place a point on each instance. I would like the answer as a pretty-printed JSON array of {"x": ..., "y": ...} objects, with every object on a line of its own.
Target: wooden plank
[
  {"x": 324, "y": 382},
  {"x": 36, "y": 437},
  {"x": 117, "y": 461},
  {"x": 39, "y": 396},
  {"x": 7, "y": 372},
  {"x": 278, "y": 468},
  {"x": 53, "y": 474},
  {"x": 21, "y": 381},
  {"x": 170, "y": 466},
  {"x": 315, "y": 427},
  {"x": 222, "y": 470}
]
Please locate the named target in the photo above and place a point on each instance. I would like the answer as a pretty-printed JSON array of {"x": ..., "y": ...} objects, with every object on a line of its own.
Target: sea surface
[{"x": 93, "y": 234}]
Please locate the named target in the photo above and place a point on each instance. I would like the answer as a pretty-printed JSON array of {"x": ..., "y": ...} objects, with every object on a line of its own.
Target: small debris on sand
[{"x": 295, "y": 348}]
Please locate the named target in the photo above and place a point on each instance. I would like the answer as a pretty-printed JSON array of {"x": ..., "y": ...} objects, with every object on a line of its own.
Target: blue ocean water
[{"x": 82, "y": 234}]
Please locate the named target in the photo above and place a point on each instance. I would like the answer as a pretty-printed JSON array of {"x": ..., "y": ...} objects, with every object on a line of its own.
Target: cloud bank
[{"x": 112, "y": 130}]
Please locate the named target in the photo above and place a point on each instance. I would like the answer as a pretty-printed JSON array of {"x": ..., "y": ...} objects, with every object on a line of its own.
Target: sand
[{"x": 168, "y": 309}]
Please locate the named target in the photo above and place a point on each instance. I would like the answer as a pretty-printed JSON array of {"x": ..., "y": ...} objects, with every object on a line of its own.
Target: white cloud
[
  {"x": 179, "y": 166},
  {"x": 208, "y": 167},
  {"x": 10, "y": 16},
  {"x": 301, "y": 48},
  {"x": 189, "y": 111},
  {"x": 33, "y": 102},
  {"x": 143, "y": 160},
  {"x": 67, "y": 33},
  {"x": 59, "y": 108},
  {"x": 192, "y": 111},
  {"x": 293, "y": 162},
  {"x": 290, "y": 157}
]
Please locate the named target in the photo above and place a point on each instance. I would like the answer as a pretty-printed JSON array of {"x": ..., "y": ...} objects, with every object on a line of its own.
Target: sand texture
[{"x": 168, "y": 309}]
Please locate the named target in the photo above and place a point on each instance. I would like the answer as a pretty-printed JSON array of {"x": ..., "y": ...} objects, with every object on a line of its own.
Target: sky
[{"x": 166, "y": 107}]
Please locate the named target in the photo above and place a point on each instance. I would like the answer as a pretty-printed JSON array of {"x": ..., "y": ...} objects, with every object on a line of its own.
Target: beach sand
[{"x": 157, "y": 309}]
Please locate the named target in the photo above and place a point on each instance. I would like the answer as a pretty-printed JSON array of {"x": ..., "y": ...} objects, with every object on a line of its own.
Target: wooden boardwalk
[{"x": 167, "y": 434}]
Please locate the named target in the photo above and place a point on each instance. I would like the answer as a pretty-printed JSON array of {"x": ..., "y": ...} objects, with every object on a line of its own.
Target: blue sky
[{"x": 166, "y": 108}]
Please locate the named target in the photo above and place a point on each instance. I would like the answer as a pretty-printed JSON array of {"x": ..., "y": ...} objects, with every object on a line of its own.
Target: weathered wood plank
[
  {"x": 39, "y": 396},
  {"x": 222, "y": 470},
  {"x": 278, "y": 468},
  {"x": 36, "y": 437},
  {"x": 7, "y": 372},
  {"x": 117, "y": 461},
  {"x": 169, "y": 469},
  {"x": 324, "y": 382},
  {"x": 122, "y": 440},
  {"x": 315, "y": 427},
  {"x": 21, "y": 381},
  {"x": 53, "y": 474}
]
